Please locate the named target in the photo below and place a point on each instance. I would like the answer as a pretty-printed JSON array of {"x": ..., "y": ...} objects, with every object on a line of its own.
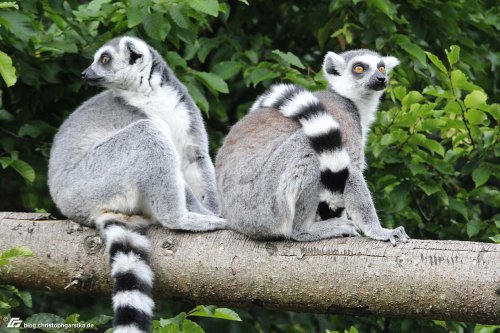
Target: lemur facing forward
[
  {"x": 134, "y": 155},
  {"x": 293, "y": 166}
]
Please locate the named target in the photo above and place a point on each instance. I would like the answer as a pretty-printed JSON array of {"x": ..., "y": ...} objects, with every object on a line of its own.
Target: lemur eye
[
  {"x": 104, "y": 59},
  {"x": 359, "y": 69},
  {"x": 381, "y": 69}
]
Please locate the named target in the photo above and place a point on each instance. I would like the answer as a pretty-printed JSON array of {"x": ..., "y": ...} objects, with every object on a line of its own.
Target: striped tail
[
  {"x": 325, "y": 137},
  {"x": 132, "y": 277}
]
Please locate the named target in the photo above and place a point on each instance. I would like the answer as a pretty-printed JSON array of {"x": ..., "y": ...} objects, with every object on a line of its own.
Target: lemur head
[
  {"x": 118, "y": 64},
  {"x": 359, "y": 75}
]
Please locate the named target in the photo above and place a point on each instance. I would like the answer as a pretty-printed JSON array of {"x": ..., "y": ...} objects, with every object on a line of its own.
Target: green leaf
[
  {"x": 494, "y": 110},
  {"x": 24, "y": 296},
  {"x": 436, "y": 91},
  {"x": 170, "y": 328},
  {"x": 384, "y": 7},
  {"x": 189, "y": 326},
  {"x": 30, "y": 130},
  {"x": 415, "y": 51},
  {"x": 459, "y": 206},
  {"x": 475, "y": 99},
  {"x": 423, "y": 141},
  {"x": 214, "y": 312},
  {"x": 429, "y": 189},
  {"x": 399, "y": 92},
  {"x": 99, "y": 320},
  {"x": 260, "y": 74},
  {"x": 7, "y": 70},
  {"x": 44, "y": 318},
  {"x": 177, "y": 14},
  {"x": 438, "y": 63},
  {"x": 227, "y": 69},
  {"x": 198, "y": 96},
  {"x": 175, "y": 320},
  {"x": 212, "y": 81},
  {"x": 475, "y": 117},
  {"x": 18, "y": 23},
  {"x": 460, "y": 80},
  {"x": 135, "y": 13},
  {"x": 72, "y": 318},
  {"x": 156, "y": 26},
  {"x": 10, "y": 4},
  {"x": 453, "y": 55},
  {"x": 7, "y": 116},
  {"x": 206, "y": 46},
  {"x": 175, "y": 60},
  {"x": 487, "y": 328},
  {"x": 17, "y": 251},
  {"x": 481, "y": 174},
  {"x": 495, "y": 239},
  {"x": 453, "y": 107},
  {"x": 289, "y": 58},
  {"x": 473, "y": 227},
  {"x": 412, "y": 97},
  {"x": 210, "y": 7},
  {"x": 24, "y": 169},
  {"x": 5, "y": 161}
]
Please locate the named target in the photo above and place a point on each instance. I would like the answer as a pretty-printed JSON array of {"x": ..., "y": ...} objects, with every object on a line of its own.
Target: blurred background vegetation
[{"x": 433, "y": 154}]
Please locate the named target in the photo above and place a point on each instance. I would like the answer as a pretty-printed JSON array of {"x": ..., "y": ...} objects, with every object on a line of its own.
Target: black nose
[
  {"x": 84, "y": 74},
  {"x": 381, "y": 79}
]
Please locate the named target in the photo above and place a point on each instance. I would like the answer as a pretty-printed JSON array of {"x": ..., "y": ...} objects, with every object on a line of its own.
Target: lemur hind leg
[
  {"x": 335, "y": 227},
  {"x": 157, "y": 191},
  {"x": 305, "y": 226}
]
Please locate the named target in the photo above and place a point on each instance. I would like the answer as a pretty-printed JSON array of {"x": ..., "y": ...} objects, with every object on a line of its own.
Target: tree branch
[{"x": 446, "y": 280}]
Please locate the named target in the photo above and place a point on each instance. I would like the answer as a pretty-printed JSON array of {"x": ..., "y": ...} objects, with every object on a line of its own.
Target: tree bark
[{"x": 425, "y": 279}]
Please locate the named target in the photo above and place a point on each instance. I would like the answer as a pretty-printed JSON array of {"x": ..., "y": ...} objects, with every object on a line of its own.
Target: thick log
[{"x": 446, "y": 280}]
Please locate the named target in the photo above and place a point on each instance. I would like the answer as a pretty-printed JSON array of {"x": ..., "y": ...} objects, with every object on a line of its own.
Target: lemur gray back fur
[
  {"x": 130, "y": 156},
  {"x": 276, "y": 178}
]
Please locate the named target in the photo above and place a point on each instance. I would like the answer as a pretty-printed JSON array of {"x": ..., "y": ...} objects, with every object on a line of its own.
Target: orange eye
[
  {"x": 104, "y": 59},
  {"x": 359, "y": 69},
  {"x": 381, "y": 69}
]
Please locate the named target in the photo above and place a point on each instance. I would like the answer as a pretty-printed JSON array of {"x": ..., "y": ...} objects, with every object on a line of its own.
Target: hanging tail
[
  {"x": 129, "y": 252},
  {"x": 324, "y": 134}
]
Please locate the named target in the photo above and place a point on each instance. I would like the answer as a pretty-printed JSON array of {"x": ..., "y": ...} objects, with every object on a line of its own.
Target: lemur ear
[
  {"x": 390, "y": 62},
  {"x": 333, "y": 64},
  {"x": 134, "y": 52}
]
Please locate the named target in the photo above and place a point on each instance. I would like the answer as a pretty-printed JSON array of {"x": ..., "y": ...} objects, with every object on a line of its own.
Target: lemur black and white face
[
  {"x": 358, "y": 74},
  {"x": 119, "y": 64}
]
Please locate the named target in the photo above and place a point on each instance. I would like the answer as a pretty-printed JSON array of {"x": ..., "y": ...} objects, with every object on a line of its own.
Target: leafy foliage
[
  {"x": 181, "y": 323},
  {"x": 436, "y": 151},
  {"x": 10, "y": 296},
  {"x": 433, "y": 154}
]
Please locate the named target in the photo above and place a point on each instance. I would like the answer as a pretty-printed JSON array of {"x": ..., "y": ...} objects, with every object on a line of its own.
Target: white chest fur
[{"x": 163, "y": 107}]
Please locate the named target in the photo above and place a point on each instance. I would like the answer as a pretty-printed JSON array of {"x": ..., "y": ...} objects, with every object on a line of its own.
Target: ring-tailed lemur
[
  {"x": 133, "y": 155},
  {"x": 296, "y": 172}
]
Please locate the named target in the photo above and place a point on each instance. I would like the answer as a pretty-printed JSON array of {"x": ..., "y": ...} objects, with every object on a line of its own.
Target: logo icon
[{"x": 14, "y": 322}]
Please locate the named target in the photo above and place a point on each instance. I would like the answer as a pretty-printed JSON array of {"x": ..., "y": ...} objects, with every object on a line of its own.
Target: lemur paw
[
  {"x": 391, "y": 235},
  {"x": 349, "y": 230}
]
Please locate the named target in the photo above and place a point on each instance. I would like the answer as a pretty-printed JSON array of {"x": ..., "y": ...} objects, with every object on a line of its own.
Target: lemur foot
[
  {"x": 391, "y": 235},
  {"x": 349, "y": 230}
]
